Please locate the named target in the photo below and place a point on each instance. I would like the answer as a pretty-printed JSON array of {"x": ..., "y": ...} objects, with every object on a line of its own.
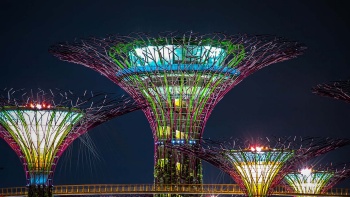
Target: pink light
[
  {"x": 305, "y": 171},
  {"x": 38, "y": 106},
  {"x": 252, "y": 149}
]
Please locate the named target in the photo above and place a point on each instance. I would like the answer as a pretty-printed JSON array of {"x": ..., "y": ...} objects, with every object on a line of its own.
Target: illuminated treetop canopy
[
  {"x": 178, "y": 70},
  {"x": 258, "y": 166},
  {"x": 316, "y": 179},
  {"x": 40, "y": 125},
  {"x": 177, "y": 55},
  {"x": 116, "y": 56}
]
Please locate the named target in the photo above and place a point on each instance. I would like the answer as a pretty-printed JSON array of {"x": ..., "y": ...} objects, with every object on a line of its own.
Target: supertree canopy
[
  {"x": 337, "y": 89},
  {"x": 258, "y": 165},
  {"x": 182, "y": 77},
  {"x": 39, "y": 125},
  {"x": 316, "y": 180}
]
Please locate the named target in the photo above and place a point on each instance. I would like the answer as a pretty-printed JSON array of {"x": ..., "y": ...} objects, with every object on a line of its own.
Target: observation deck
[{"x": 192, "y": 58}]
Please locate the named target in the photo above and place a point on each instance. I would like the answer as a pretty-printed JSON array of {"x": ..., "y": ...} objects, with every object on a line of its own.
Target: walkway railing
[{"x": 106, "y": 189}]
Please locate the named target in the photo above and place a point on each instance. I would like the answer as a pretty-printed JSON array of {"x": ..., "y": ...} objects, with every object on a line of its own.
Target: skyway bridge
[{"x": 138, "y": 189}]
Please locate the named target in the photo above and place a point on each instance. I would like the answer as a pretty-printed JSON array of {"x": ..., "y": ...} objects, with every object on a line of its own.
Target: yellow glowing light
[
  {"x": 179, "y": 134},
  {"x": 177, "y": 102},
  {"x": 164, "y": 132},
  {"x": 162, "y": 162},
  {"x": 178, "y": 166}
]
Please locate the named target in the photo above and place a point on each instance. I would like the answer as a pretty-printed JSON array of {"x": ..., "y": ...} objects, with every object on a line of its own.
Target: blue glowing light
[
  {"x": 182, "y": 141},
  {"x": 177, "y": 67},
  {"x": 38, "y": 179}
]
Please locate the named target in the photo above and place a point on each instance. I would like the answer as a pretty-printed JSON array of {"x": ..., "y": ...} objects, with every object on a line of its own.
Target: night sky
[{"x": 276, "y": 100}]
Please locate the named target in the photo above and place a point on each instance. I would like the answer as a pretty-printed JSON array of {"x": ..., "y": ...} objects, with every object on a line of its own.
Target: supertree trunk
[{"x": 40, "y": 191}]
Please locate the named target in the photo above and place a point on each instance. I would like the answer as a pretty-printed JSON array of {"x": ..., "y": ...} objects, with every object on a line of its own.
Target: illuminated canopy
[
  {"x": 258, "y": 167},
  {"x": 316, "y": 180},
  {"x": 39, "y": 132},
  {"x": 312, "y": 183}
]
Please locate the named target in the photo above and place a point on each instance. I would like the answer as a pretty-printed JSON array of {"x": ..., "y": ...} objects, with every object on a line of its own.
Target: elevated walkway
[{"x": 110, "y": 189}]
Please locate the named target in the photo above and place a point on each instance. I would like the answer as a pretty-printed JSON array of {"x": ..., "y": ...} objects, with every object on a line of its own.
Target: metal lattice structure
[
  {"x": 316, "y": 180},
  {"x": 258, "y": 165},
  {"x": 182, "y": 77},
  {"x": 39, "y": 125},
  {"x": 338, "y": 89}
]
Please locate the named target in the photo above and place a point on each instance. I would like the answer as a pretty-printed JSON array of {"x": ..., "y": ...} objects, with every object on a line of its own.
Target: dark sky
[{"x": 274, "y": 101}]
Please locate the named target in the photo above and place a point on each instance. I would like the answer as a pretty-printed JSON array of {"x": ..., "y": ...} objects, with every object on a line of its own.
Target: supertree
[
  {"x": 259, "y": 164},
  {"x": 317, "y": 179},
  {"x": 39, "y": 125},
  {"x": 337, "y": 89},
  {"x": 182, "y": 77}
]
